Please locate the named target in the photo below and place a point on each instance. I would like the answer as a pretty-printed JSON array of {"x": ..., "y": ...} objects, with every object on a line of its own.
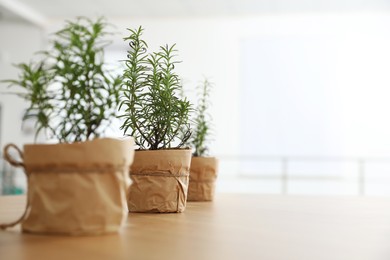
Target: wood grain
[{"x": 234, "y": 226}]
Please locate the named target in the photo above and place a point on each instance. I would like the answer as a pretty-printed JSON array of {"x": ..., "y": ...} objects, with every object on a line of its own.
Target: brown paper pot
[
  {"x": 159, "y": 180},
  {"x": 76, "y": 189},
  {"x": 203, "y": 174}
]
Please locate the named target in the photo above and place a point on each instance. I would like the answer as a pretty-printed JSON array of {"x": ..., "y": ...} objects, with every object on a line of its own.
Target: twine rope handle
[
  {"x": 9, "y": 158},
  {"x": 15, "y": 163}
]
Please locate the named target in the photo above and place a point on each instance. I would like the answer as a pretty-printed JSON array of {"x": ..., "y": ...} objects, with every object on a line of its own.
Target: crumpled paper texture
[
  {"x": 78, "y": 188},
  {"x": 203, "y": 175},
  {"x": 159, "y": 180}
]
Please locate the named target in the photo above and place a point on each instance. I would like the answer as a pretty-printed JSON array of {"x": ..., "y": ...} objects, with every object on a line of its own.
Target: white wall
[
  {"x": 319, "y": 85},
  {"x": 288, "y": 85},
  {"x": 292, "y": 84},
  {"x": 345, "y": 92},
  {"x": 18, "y": 44}
]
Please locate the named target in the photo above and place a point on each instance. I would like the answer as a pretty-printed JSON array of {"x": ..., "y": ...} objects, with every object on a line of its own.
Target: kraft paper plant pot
[
  {"x": 203, "y": 175},
  {"x": 159, "y": 180},
  {"x": 75, "y": 189}
]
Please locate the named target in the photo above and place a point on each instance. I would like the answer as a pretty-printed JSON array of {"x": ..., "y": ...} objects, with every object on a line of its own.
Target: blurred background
[{"x": 301, "y": 88}]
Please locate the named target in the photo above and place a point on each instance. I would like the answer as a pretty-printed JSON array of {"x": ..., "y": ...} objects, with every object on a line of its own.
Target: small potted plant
[
  {"x": 204, "y": 169},
  {"x": 158, "y": 119},
  {"x": 79, "y": 185}
]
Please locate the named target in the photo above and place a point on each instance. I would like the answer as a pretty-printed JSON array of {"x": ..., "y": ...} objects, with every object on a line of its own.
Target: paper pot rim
[
  {"x": 165, "y": 149},
  {"x": 205, "y": 157},
  {"x": 94, "y": 153},
  {"x": 96, "y": 140}
]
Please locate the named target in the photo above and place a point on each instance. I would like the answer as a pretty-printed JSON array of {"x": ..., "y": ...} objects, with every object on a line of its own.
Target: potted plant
[
  {"x": 158, "y": 119},
  {"x": 204, "y": 169},
  {"x": 77, "y": 186}
]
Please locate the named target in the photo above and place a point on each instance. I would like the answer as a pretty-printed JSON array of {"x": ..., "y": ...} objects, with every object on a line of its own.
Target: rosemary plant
[
  {"x": 154, "y": 113},
  {"x": 71, "y": 93},
  {"x": 202, "y": 121},
  {"x": 34, "y": 80}
]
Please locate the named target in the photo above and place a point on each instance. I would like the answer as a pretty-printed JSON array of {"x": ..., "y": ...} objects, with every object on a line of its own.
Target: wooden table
[{"x": 233, "y": 227}]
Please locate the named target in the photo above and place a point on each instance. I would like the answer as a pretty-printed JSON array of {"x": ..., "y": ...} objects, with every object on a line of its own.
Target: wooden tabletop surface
[{"x": 234, "y": 226}]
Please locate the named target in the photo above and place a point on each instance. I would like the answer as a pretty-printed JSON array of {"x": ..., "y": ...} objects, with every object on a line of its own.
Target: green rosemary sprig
[
  {"x": 70, "y": 91},
  {"x": 153, "y": 113},
  {"x": 202, "y": 120}
]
